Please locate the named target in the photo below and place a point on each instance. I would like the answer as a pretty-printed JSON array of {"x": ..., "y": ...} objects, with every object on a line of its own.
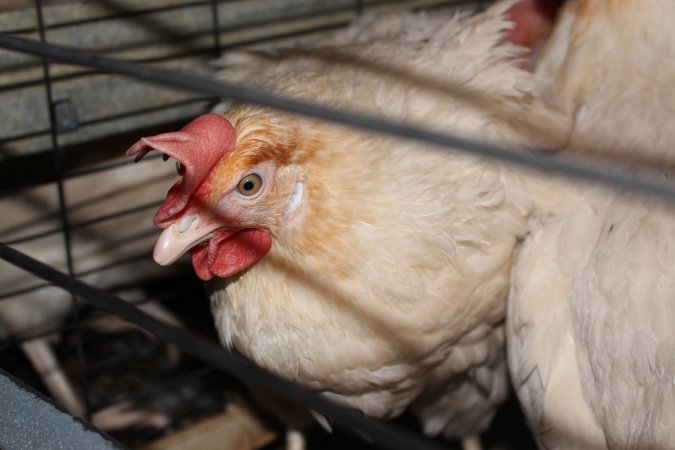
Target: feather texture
[
  {"x": 614, "y": 56},
  {"x": 386, "y": 287},
  {"x": 590, "y": 353}
]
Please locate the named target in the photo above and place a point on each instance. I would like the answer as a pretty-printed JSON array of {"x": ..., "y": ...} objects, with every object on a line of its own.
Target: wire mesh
[{"x": 63, "y": 212}]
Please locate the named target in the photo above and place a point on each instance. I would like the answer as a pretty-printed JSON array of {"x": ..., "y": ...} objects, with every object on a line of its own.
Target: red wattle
[
  {"x": 199, "y": 256},
  {"x": 226, "y": 255}
]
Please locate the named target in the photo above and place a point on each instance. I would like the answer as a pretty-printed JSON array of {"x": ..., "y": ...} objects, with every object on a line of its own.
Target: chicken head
[{"x": 223, "y": 207}]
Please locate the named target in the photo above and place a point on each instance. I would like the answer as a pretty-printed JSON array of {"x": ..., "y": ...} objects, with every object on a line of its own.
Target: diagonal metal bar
[
  {"x": 571, "y": 167},
  {"x": 384, "y": 434}
]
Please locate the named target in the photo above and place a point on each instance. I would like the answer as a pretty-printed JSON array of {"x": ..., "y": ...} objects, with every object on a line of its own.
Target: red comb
[{"x": 198, "y": 147}]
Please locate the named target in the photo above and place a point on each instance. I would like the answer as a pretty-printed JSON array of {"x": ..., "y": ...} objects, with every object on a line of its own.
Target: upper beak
[{"x": 181, "y": 236}]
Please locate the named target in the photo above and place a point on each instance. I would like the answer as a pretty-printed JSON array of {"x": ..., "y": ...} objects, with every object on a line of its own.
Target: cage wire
[
  {"x": 57, "y": 144},
  {"x": 127, "y": 370}
]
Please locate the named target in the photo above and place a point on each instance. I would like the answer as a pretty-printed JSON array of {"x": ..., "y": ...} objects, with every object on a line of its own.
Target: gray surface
[
  {"x": 29, "y": 422},
  {"x": 101, "y": 102}
]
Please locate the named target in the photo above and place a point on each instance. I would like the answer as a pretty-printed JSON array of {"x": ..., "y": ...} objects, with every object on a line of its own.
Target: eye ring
[{"x": 250, "y": 185}]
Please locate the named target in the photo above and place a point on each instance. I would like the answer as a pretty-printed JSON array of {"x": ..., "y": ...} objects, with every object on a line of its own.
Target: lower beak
[{"x": 180, "y": 237}]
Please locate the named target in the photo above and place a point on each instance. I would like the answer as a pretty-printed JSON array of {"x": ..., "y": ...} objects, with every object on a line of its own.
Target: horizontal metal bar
[
  {"x": 78, "y": 159},
  {"x": 97, "y": 315},
  {"x": 571, "y": 167},
  {"x": 109, "y": 265},
  {"x": 86, "y": 223},
  {"x": 197, "y": 51},
  {"x": 101, "y": 168},
  {"x": 112, "y": 117}
]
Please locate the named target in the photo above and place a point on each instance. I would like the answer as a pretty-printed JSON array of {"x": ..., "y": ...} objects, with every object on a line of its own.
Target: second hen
[
  {"x": 610, "y": 66},
  {"x": 591, "y": 345},
  {"x": 371, "y": 269}
]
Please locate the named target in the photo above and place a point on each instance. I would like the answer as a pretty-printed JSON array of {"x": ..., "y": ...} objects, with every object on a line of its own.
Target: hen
[
  {"x": 591, "y": 341},
  {"x": 371, "y": 269}
]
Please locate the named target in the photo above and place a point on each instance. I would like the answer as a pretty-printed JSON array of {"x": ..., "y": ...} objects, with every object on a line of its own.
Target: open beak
[{"x": 181, "y": 236}]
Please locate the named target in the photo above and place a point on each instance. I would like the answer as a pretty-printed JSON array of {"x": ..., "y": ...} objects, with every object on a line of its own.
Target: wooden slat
[{"x": 235, "y": 429}]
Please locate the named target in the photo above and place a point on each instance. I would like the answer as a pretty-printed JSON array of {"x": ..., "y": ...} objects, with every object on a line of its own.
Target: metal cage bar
[
  {"x": 575, "y": 167},
  {"x": 63, "y": 212},
  {"x": 384, "y": 434}
]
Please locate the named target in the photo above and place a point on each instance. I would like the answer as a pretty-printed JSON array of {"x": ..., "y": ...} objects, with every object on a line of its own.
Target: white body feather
[{"x": 591, "y": 341}]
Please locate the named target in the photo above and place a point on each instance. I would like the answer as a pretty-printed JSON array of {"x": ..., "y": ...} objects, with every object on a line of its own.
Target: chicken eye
[{"x": 250, "y": 185}]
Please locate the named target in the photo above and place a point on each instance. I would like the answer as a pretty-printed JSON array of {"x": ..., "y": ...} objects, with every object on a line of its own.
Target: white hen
[
  {"x": 611, "y": 65},
  {"x": 590, "y": 335},
  {"x": 382, "y": 267}
]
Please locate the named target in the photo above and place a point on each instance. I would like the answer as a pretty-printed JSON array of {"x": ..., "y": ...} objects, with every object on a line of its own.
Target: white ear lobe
[{"x": 295, "y": 200}]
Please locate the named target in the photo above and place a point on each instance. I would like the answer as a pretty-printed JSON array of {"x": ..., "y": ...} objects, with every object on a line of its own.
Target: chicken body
[
  {"x": 591, "y": 351},
  {"x": 365, "y": 314},
  {"x": 591, "y": 348},
  {"x": 371, "y": 269},
  {"x": 610, "y": 65}
]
